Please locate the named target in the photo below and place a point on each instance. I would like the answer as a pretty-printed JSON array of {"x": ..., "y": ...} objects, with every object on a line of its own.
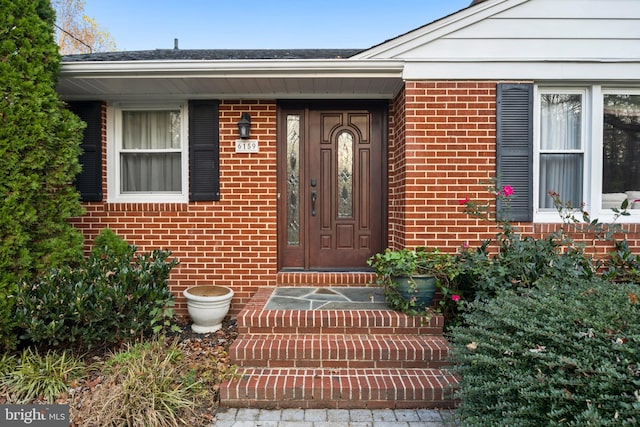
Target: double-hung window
[
  {"x": 587, "y": 149},
  {"x": 562, "y": 146},
  {"x": 148, "y": 159}
]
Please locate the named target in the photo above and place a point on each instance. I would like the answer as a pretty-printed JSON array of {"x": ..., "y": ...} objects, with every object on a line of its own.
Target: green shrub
[
  {"x": 115, "y": 295},
  {"x": 623, "y": 265},
  {"x": 520, "y": 261},
  {"x": 108, "y": 245},
  {"x": 561, "y": 353},
  {"x": 8, "y": 290},
  {"x": 36, "y": 376},
  {"x": 513, "y": 260},
  {"x": 39, "y": 147}
]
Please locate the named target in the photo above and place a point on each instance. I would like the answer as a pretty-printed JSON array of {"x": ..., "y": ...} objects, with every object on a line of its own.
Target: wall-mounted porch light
[{"x": 244, "y": 126}]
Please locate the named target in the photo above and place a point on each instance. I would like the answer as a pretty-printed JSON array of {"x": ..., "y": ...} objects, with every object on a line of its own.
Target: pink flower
[
  {"x": 507, "y": 190},
  {"x": 455, "y": 297},
  {"x": 465, "y": 245},
  {"x": 464, "y": 201}
]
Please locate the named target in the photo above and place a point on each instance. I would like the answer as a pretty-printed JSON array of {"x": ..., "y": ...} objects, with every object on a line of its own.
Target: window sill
[
  {"x": 146, "y": 207},
  {"x": 604, "y": 217}
]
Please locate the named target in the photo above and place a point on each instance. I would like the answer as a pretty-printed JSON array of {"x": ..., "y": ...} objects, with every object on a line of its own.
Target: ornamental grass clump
[
  {"x": 37, "y": 376},
  {"x": 144, "y": 386},
  {"x": 562, "y": 353}
]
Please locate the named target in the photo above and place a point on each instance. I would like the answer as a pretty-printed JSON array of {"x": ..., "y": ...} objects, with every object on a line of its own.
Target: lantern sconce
[{"x": 244, "y": 126}]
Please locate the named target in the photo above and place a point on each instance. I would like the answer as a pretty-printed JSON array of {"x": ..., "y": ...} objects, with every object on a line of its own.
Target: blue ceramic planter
[{"x": 423, "y": 290}]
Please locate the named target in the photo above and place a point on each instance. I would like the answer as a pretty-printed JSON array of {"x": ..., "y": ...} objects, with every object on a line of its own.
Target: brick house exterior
[{"x": 442, "y": 134}]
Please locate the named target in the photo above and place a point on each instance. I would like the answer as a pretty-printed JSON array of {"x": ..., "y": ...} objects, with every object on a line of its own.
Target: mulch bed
[{"x": 199, "y": 349}]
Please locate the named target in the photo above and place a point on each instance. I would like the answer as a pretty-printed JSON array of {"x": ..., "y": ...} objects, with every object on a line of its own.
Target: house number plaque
[{"x": 246, "y": 145}]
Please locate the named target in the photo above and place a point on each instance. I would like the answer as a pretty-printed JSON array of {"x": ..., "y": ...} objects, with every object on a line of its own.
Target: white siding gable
[{"x": 506, "y": 33}]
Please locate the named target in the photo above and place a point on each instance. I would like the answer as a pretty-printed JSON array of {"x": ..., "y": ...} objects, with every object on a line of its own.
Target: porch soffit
[{"x": 231, "y": 79}]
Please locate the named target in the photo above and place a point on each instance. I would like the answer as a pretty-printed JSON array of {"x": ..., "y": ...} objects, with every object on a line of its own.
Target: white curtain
[
  {"x": 561, "y": 130},
  {"x": 154, "y": 162}
]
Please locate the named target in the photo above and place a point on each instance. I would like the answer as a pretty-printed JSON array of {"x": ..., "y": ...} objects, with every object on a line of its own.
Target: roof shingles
[{"x": 212, "y": 54}]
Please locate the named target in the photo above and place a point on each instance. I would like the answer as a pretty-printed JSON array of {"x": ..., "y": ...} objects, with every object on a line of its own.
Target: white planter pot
[{"x": 207, "y": 305}]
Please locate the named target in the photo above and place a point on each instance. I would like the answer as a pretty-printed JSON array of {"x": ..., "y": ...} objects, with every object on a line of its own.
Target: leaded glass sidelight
[
  {"x": 293, "y": 180},
  {"x": 345, "y": 175}
]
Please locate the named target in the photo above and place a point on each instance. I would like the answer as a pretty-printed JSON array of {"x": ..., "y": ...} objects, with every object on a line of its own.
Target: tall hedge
[{"x": 39, "y": 148}]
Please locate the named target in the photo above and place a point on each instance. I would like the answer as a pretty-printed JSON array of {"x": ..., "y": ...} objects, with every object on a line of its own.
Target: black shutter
[
  {"x": 89, "y": 180},
  {"x": 204, "y": 156},
  {"x": 514, "y": 148}
]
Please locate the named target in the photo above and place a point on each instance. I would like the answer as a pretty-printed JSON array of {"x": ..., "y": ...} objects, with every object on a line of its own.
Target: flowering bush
[{"x": 517, "y": 261}]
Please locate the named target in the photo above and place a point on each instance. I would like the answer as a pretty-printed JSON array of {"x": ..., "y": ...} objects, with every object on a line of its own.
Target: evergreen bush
[
  {"x": 115, "y": 295},
  {"x": 565, "y": 352},
  {"x": 39, "y": 147}
]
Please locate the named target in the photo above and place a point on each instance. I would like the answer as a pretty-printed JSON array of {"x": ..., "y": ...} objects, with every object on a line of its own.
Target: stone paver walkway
[{"x": 232, "y": 417}]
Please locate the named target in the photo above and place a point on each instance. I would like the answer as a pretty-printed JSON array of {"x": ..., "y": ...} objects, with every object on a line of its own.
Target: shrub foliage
[
  {"x": 39, "y": 148},
  {"x": 561, "y": 353},
  {"x": 115, "y": 295}
]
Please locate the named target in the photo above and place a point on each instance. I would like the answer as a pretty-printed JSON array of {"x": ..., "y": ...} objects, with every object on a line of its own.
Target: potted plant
[
  {"x": 207, "y": 306},
  {"x": 411, "y": 277}
]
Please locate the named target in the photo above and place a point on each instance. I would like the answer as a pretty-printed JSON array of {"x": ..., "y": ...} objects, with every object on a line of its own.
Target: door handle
[{"x": 314, "y": 196}]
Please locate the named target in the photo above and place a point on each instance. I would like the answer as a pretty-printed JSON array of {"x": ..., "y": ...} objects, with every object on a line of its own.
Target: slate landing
[{"x": 327, "y": 298}]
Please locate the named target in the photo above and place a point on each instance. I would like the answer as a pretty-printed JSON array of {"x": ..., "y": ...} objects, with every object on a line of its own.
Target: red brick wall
[
  {"x": 231, "y": 242},
  {"x": 444, "y": 146},
  {"x": 396, "y": 173},
  {"x": 442, "y": 152},
  {"x": 441, "y": 147}
]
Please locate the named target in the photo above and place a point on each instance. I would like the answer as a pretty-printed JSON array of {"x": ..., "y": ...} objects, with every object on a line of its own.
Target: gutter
[{"x": 235, "y": 68}]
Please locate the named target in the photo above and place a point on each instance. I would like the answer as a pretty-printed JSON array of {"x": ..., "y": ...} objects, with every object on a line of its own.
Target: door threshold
[{"x": 325, "y": 278}]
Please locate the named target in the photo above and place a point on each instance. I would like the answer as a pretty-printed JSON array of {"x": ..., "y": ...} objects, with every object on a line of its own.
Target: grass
[
  {"x": 40, "y": 376},
  {"x": 158, "y": 381}
]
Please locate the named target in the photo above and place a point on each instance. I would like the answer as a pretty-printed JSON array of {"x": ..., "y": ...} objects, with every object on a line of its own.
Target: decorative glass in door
[
  {"x": 293, "y": 180},
  {"x": 345, "y": 175}
]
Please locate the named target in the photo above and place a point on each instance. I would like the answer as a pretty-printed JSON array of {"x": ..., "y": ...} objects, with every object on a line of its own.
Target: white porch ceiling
[{"x": 255, "y": 79}]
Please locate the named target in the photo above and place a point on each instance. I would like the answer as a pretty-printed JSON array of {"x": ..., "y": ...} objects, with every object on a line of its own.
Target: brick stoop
[{"x": 342, "y": 359}]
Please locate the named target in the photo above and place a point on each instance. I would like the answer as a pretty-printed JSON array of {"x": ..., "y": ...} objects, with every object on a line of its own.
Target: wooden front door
[{"x": 332, "y": 210}]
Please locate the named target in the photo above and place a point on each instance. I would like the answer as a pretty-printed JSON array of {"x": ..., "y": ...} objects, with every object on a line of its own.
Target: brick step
[
  {"x": 255, "y": 320},
  {"x": 337, "y": 359},
  {"x": 340, "y": 351},
  {"x": 325, "y": 278},
  {"x": 273, "y": 388}
]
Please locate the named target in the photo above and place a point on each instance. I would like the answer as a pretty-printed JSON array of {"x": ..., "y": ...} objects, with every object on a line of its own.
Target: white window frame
[
  {"x": 114, "y": 146},
  {"x": 592, "y": 133}
]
